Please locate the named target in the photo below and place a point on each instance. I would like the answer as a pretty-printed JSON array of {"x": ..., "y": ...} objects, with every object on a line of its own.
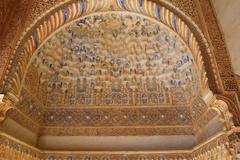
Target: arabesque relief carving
[
  {"x": 124, "y": 63},
  {"x": 182, "y": 5},
  {"x": 119, "y": 59},
  {"x": 116, "y": 59},
  {"x": 228, "y": 86}
]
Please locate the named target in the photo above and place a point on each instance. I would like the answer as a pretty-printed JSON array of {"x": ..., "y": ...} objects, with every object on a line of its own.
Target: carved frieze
[
  {"x": 217, "y": 148},
  {"x": 162, "y": 116}
]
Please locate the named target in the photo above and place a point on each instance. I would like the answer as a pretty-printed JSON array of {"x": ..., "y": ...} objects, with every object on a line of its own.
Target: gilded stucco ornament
[
  {"x": 79, "y": 9},
  {"x": 53, "y": 91},
  {"x": 5, "y": 105},
  {"x": 227, "y": 82},
  {"x": 116, "y": 59},
  {"x": 158, "y": 51},
  {"x": 225, "y": 116},
  {"x": 191, "y": 9}
]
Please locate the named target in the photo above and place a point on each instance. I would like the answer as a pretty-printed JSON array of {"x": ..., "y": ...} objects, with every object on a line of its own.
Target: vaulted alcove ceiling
[
  {"x": 103, "y": 69},
  {"x": 117, "y": 54},
  {"x": 117, "y": 75},
  {"x": 116, "y": 70}
]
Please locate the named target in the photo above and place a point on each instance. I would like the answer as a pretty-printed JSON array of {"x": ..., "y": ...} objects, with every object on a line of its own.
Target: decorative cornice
[
  {"x": 116, "y": 131},
  {"x": 217, "y": 146}
]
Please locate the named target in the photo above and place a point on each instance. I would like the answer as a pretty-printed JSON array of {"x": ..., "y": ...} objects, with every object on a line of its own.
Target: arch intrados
[{"x": 26, "y": 47}]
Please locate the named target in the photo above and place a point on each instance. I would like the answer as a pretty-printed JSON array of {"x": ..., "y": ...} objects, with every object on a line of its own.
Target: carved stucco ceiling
[
  {"x": 25, "y": 13},
  {"x": 113, "y": 69},
  {"x": 113, "y": 55},
  {"x": 114, "y": 74}
]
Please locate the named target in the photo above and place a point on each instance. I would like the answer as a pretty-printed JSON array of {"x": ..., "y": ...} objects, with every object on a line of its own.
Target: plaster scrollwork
[
  {"x": 221, "y": 108},
  {"x": 5, "y": 105},
  {"x": 203, "y": 114}
]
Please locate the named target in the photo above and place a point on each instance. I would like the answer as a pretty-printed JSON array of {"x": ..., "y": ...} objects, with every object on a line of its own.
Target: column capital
[
  {"x": 225, "y": 116},
  {"x": 5, "y": 105}
]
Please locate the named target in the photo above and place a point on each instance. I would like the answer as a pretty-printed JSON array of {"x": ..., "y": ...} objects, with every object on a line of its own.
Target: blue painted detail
[
  {"x": 83, "y": 7},
  {"x": 175, "y": 23},
  {"x": 188, "y": 38},
  {"x": 122, "y": 2},
  {"x": 159, "y": 11},
  {"x": 69, "y": 158},
  {"x": 141, "y": 3},
  {"x": 66, "y": 14},
  {"x": 35, "y": 38}
]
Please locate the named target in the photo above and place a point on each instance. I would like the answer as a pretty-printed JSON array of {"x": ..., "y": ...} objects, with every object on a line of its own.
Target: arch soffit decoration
[
  {"x": 49, "y": 23},
  {"x": 69, "y": 11}
]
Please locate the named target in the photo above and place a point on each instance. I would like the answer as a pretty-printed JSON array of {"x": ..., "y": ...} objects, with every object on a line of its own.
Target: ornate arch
[{"x": 67, "y": 12}]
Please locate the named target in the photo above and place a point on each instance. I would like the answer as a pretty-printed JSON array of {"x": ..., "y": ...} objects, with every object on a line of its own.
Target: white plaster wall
[{"x": 228, "y": 14}]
